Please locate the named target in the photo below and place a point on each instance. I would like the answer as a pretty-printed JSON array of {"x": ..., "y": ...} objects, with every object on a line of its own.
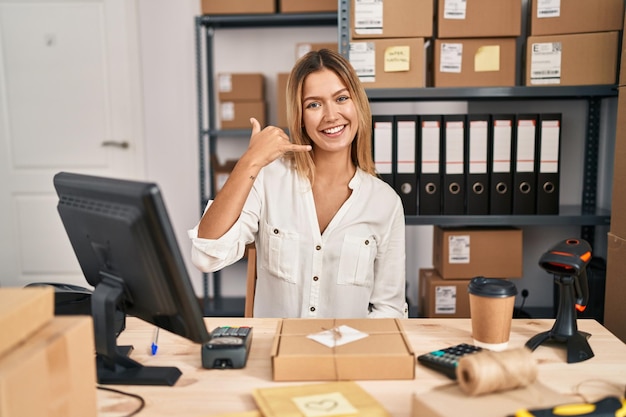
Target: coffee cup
[{"x": 491, "y": 311}]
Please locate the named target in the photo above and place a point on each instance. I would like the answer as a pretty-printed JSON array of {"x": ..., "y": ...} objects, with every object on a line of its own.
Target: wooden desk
[{"x": 205, "y": 392}]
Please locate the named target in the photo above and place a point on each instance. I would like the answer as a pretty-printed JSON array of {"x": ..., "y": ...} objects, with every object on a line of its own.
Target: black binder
[
  {"x": 548, "y": 175},
  {"x": 383, "y": 147},
  {"x": 429, "y": 180},
  {"x": 500, "y": 164},
  {"x": 405, "y": 181},
  {"x": 477, "y": 192},
  {"x": 453, "y": 146},
  {"x": 525, "y": 164}
]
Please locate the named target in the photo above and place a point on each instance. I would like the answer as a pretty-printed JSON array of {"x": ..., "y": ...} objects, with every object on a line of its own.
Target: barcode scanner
[{"x": 567, "y": 261}]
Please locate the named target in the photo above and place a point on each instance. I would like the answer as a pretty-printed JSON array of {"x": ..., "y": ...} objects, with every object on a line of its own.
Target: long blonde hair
[{"x": 361, "y": 151}]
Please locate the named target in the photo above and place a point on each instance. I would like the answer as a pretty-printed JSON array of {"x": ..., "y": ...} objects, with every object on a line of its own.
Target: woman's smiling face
[{"x": 328, "y": 112}]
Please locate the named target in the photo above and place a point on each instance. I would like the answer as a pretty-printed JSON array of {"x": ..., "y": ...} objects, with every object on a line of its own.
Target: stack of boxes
[
  {"x": 388, "y": 42},
  {"x": 574, "y": 42},
  {"x": 241, "y": 96},
  {"x": 47, "y": 363},
  {"x": 476, "y": 44},
  {"x": 460, "y": 254}
]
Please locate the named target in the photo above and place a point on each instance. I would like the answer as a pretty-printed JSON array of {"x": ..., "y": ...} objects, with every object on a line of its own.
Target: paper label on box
[
  {"x": 324, "y": 405},
  {"x": 445, "y": 299},
  {"x": 225, "y": 83},
  {"x": 362, "y": 56},
  {"x": 368, "y": 17},
  {"x": 459, "y": 249},
  {"x": 548, "y": 8},
  {"x": 487, "y": 58},
  {"x": 227, "y": 111},
  {"x": 545, "y": 63},
  {"x": 451, "y": 57},
  {"x": 454, "y": 9},
  {"x": 337, "y": 336},
  {"x": 397, "y": 59}
]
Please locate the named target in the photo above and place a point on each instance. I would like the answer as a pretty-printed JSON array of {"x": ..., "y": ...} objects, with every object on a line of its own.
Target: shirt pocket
[
  {"x": 282, "y": 256},
  {"x": 356, "y": 264}
]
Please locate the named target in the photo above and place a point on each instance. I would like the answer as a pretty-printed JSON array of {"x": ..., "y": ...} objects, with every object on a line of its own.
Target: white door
[{"x": 70, "y": 100}]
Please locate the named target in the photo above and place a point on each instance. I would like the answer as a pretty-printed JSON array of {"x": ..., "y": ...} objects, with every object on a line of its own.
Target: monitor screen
[{"x": 126, "y": 247}]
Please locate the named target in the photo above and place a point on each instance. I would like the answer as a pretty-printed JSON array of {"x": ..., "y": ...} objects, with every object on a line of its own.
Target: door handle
[{"x": 123, "y": 144}]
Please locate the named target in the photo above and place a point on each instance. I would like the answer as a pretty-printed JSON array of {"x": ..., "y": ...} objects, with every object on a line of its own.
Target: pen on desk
[{"x": 155, "y": 339}]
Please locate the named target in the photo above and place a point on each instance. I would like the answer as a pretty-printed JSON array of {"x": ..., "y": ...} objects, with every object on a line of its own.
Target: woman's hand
[{"x": 270, "y": 143}]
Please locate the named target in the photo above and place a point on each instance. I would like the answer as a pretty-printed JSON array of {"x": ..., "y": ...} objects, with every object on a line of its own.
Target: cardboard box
[
  {"x": 237, "y": 114},
  {"x": 53, "y": 373},
  {"x": 240, "y": 86},
  {"x": 281, "y": 99},
  {"x": 485, "y": 62},
  {"x": 386, "y": 351},
  {"x": 469, "y": 19},
  {"x": 303, "y": 48},
  {"x": 468, "y": 252},
  {"x": 238, "y": 6},
  {"x": 23, "y": 311},
  {"x": 392, "y": 19},
  {"x": 449, "y": 400},
  {"x": 307, "y": 6},
  {"x": 390, "y": 63},
  {"x": 614, "y": 304},
  {"x": 618, "y": 201},
  {"x": 442, "y": 298},
  {"x": 576, "y": 16},
  {"x": 581, "y": 59}
]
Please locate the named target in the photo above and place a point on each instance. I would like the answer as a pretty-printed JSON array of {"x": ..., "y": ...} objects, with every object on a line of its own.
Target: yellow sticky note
[
  {"x": 397, "y": 58},
  {"x": 487, "y": 58},
  {"x": 324, "y": 405}
]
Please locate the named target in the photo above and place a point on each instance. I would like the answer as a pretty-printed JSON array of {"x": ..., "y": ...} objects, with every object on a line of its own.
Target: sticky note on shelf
[
  {"x": 487, "y": 58},
  {"x": 397, "y": 59}
]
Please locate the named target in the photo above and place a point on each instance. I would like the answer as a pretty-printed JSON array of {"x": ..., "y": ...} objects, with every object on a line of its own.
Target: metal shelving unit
[
  {"x": 587, "y": 214},
  {"x": 205, "y": 27}
]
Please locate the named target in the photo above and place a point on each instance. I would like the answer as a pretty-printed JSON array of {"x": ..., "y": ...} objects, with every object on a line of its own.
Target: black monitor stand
[{"x": 112, "y": 362}]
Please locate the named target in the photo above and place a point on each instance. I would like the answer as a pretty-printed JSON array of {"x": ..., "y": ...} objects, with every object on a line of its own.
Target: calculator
[
  {"x": 446, "y": 360},
  {"x": 228, "y": 347}
]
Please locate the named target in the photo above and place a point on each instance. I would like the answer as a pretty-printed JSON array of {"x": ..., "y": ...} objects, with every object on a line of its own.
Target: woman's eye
[
  {"x": 313, "y": 105},
  {"x": 341, "y": 99}
]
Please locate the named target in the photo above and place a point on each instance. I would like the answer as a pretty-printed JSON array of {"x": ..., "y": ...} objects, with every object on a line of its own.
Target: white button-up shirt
[{"x": 356, "y": 268}]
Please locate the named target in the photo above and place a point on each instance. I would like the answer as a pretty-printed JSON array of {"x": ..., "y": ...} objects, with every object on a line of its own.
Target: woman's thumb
[{"x": 256, "y": 126}]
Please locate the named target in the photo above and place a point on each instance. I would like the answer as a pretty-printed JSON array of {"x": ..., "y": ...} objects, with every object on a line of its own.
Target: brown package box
[
  {"x": 281, "y": 99},
  {"x": 303, "y": 47},
  {"x": 439, "y": 298},
  {"x": 399, "y": 63},
  {"x": 386, "y": 351},
  {"x": 240, "y": 86},
  {"x": 23, "y": 311},
  {"x": 577, "y": 16},
  {"x": 468, "y": 252},
  {"x": 484, "y": 62},
  {"x": 307, "y": 6},
  {"x": 450, "y": 400},
  {"x": 618, "y": 202},
  {"x": 581, "y": 59},
  {"x": 53, "y": 373},
  {"x": 237, "y": 114},
  {"x": 397, "y": 19},
  {"x": 481, "y": 19},
  {"x": 614, "y": 305},
  {"x": 238, "y": 6}
]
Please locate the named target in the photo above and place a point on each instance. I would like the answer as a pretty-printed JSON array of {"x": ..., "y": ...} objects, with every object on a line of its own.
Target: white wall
[{"x": 168, "y": 57}]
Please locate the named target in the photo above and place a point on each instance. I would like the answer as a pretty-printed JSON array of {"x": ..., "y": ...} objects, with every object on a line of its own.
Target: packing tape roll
[{"x": 487, "y": 371}]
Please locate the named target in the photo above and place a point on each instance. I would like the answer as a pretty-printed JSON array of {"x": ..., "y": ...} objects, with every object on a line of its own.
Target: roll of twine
[{"x": 487, "y": 371}]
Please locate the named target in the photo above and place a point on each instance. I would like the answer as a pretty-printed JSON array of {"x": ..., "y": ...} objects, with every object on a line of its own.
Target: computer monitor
[{"x": 126, "y": 247}]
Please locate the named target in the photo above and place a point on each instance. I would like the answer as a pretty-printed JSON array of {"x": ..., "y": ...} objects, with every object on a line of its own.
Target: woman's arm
[{"x": 265, "y": 146}]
